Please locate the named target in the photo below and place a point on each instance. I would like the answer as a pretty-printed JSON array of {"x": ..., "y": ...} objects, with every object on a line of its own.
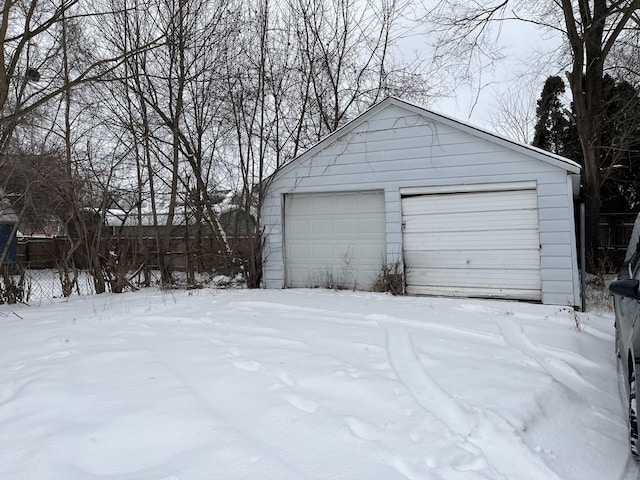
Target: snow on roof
[{"x": 117, "y": 217}]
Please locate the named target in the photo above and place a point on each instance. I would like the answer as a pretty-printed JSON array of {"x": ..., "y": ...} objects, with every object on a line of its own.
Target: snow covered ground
[{"x": 307, "y": 384}]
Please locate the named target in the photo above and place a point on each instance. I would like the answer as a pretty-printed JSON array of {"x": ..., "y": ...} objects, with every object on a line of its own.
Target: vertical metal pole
[{"x": 583, "y": 258}]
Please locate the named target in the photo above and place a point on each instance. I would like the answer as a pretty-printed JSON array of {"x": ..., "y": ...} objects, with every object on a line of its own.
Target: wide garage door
[
  {"x": 480, "y": 244},
  {"x": 334, "y": 240}
]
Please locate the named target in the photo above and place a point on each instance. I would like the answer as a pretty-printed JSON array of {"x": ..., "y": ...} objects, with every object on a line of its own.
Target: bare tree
[
  {"x": 31, "y": 73},
  {"x": 592, "y": 30},
  {"x": 346, "y": 49},
  {"x": 515, "y": 112},
  {"x": 173, "y": 111},
  {"x": 130, "y": 115},
  {"x": 47, "y": 55}
]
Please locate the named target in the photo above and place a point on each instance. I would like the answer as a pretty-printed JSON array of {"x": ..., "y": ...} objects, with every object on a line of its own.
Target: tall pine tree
[
  {"x": 556, "y": 132},
  {"x": 552, "y": 130}
]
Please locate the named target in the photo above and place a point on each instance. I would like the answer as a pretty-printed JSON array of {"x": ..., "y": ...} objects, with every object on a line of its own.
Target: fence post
[{"x": 583, "y": 259}]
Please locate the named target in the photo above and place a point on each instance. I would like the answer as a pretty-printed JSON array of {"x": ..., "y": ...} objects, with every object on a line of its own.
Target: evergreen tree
[
  {"x": 556, "y": 132},
  {"x": 621, "y": 146},
  {"x": 552, "y": 128}
]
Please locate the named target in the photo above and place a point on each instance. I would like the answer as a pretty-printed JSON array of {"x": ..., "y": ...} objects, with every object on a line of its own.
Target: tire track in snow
[
  {"x": 489, "y": 441},
  {"x": 556, "y": 368},
  {"x": 424, "y": 389}
]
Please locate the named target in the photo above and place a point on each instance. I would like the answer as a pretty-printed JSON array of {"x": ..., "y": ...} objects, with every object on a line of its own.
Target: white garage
[{"x": 456, "y": 210}]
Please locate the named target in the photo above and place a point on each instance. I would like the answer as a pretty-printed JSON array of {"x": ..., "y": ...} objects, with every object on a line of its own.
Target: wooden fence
[{"x": 208, "y": 255}]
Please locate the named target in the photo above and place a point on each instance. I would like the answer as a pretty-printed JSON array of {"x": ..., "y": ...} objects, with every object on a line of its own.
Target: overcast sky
[{"x": 522, "y": 72}]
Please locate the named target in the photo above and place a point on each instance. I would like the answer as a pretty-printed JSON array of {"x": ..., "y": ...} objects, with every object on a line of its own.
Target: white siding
[{"x": 395, "y": 146}]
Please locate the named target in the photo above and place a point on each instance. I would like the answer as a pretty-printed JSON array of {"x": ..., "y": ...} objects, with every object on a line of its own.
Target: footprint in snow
[
  {"x": 459, "y": 457},
  {"x": 234, "y": 351},
  {"x": 362, "y": 430},
  {"x": 285, "y": 378},
  {"x": 301, "y": 403},
  {"x": 561, "y": 371},
  {"x": 250, "y": 366}
]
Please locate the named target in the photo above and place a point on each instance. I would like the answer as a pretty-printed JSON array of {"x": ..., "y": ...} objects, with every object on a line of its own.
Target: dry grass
[{"x": 597, "y": 293}]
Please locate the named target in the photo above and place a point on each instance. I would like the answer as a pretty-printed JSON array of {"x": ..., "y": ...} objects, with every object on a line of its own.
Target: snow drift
[{"x": 307, "y": 384}]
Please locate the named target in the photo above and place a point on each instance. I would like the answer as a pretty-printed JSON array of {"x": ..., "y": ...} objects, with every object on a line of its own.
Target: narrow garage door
[
  {"x": 481, "y": 244},
  {"x": 334, "y": 239}
]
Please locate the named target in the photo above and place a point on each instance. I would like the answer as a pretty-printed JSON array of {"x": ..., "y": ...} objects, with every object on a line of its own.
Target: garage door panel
[
  {"x": 321, "y": 227},
  {"x": 479, "y": 278},
  {"x": 343, "y": 239},
  {"x": 320, "y": 253},
  {"x": 371, "y": 253},
  {"x": 298, "y": 207},
  {"x": 298, "y": 272},
  {"x": 346, "y": 253},
  {"x": 474, "y": 244},
  {"x": 524, "y": 239},
  {"x": 466, "y": 203},
  {"x": 298, "y": 227},
  {"x": 322, "y": 203},
  {"x": 346, "y": 227},
  {"x": 468, "y": 259},
  {"x": 371, "y": 225},
  {"x": 519, "y": 220},
  {"x": 299, "y": 251},
  {"x": 502, "y": 293}
]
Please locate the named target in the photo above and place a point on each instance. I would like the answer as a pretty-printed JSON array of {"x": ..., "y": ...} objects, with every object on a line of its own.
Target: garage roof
[{"x": 557, "y": 160}]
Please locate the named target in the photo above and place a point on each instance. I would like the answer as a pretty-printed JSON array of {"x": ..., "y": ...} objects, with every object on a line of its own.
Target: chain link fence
[
  {"x": 23, "y": 285},
  {"x": 33, "y": 286},
  {"x": 41, "y": 269}
]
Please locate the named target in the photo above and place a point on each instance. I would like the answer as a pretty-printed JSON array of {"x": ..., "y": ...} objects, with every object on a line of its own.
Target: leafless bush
[
  {"x": 390, "y": 279},
  {"x": 327, "y": 279},
  {"x": 13, "y": 286},
  {"x": 341, "y": 280},
  {"x": 68, "y": 278},
  {"x": 597, "y": 294}
]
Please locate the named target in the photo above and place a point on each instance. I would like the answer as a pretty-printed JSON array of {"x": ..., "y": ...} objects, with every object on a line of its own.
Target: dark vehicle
[{"x": 627, "y": 326}]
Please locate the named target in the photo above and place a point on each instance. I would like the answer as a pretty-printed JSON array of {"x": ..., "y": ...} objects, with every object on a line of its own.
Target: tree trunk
[{"x": 586, "y": 80}]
